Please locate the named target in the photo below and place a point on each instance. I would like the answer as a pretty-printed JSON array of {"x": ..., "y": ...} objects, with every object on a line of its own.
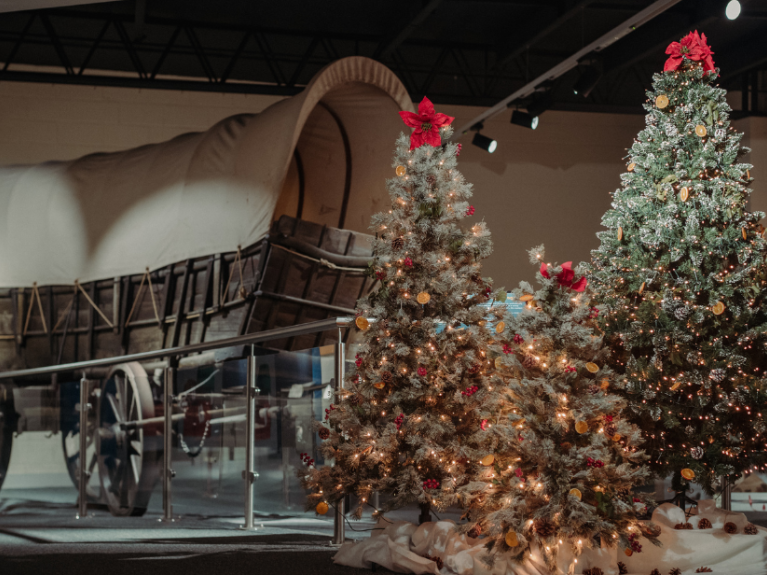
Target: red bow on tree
[
  {"x": 566, "y": 277},
  {"x": 693, "y": 47},
  {"x": 426, "y": 123}
]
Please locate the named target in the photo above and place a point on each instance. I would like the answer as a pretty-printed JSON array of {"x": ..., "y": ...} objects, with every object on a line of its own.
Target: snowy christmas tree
[
  {"x": 563, "y": 460},
  {"x": 404, "y": 424},
  {"x": 681, "y": 271}
]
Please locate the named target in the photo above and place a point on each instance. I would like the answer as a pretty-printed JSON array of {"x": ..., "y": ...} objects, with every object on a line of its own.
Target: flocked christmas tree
[
  {"x": 401, "y": 425},
  {"x": 682, "y": 270},
  {"x": 563, "y": 459}
]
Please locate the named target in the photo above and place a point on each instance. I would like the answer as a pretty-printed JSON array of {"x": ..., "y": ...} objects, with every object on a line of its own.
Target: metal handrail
[
  {"x": 173, "y": 353},
  {"x": 247, "y": 339}
]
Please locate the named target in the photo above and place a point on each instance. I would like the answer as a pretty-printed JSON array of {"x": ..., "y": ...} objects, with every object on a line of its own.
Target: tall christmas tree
[
  {"x": 564, "y": 459},
  {"x": 402, "y": 424},
  {"x": 682, "y": 271}
]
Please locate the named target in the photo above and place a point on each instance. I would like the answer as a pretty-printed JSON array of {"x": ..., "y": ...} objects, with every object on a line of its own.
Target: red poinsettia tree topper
[
  {"x": 426, "y": 123},
  {"x": 566, "y": 277},
  {"x": 693, "y": 47}
]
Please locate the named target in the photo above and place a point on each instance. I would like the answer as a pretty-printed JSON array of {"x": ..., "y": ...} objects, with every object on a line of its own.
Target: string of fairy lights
[{"x": 724, "y": 258}]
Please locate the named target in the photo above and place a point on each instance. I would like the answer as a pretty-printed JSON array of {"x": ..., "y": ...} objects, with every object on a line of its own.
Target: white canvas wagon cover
[{"x": 109, "y": 215}]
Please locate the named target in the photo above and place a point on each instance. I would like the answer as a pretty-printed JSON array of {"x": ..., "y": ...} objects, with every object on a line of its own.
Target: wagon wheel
[
  {"x": 7, "y": 427},
  {"x": 70, "y": 444},
  {"x": 127, "y": 457}
]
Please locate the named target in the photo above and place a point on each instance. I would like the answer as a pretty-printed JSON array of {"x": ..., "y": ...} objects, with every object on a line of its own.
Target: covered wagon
[{"x": 256, "y": 224}]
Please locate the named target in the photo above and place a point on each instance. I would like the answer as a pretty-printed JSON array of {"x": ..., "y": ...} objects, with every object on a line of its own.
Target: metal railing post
[
  {"x": 167, "y": 438},
  {"x": 249, "y": 474},
  {"x": 726, "y": 494},
  {"x": 340, "y": 367},
  {"x": 82, "y": 486}
]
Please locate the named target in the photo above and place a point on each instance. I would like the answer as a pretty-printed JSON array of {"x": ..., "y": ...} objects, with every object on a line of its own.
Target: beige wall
[{"x": 549, "y": 186}]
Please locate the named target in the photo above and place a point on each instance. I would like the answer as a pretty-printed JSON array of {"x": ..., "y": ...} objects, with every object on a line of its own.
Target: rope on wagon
[
  {"x": 238, "y": 261},
  {"x": 148, "y": 278},
  {"x": 321, "y": 261},
  {"x": 93, "y": 304},
  {"x": 66, "y": 312},
  {"x": 35, "y": 296}
]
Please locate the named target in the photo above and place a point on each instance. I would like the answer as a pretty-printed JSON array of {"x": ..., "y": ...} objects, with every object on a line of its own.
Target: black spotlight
[
  {"x": 589, "y": 78},
  {"x": 487, "y": 144},
  {"x": 524, "y": 119}
]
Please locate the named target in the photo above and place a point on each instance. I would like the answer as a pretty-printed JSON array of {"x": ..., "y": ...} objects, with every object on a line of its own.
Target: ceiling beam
[
  {"x": 640, "y": 18},
  {"x": 387, "y": 46},
  {"x": 564, "y": 17}
]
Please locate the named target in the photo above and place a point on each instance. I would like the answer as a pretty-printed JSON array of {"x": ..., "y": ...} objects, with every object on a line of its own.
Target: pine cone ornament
[
  {"x": 750, "y": 529},
  {"x": 689, "y": 430},
  {"x": 437, "y": 560},
  {"x": 683, "y": 526},
  {"x": 431, "y": 180},
  {"x": 681, "y": 313},
  {"x": 696, "y": 452},
  {"x": 730, "y": 528},
  {"x": 717, "y": 375},
  {"x": 398, "y": 243},
  {"x": 356, "y": 399},
  {"x": 703, "y": 570},
  {"x": 593, "y": 389},
  {"x": 704, "y": 524},
  {"x": 610, "y": 429},
  {"x": 386, "y": 377},
  {"x": 675, "y": 571},
  {"x": 593, "y": 571},
  {"x": 622, "y": 568},
  {"x": 654, "y": 572},
  {"x": 544, "y": 527},
  {"x": 475, "y": 531},
  {"x": 529, "y": 361},
  {"x": 324, "y": 433}
]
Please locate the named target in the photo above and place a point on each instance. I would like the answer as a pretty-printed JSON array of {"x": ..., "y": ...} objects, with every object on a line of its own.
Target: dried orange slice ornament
[
  {"x": 684, "y": 193},
  {"x": 379, "y": 385},
  {"x": 743, "y": 233},
  {"x": 688, "y": 474},
  {"x": 592, "y": 367},
  {"x": 605, "y": 384},
  {"x": 575, "y": 492},
  {"x": 581, "y": 426},
  {"x": 423, "y": 298},
  {"x": 700, "y": 130},
  {"x": 322, "y": 508},
  {"x": 487, "y": 460},
  {"x": 362, "y": 323},
  {"x": 511, "y": 539},
  {"x": 620, "y": 233},
  {"x": 718, "y": 308},
  {"x": 631, "y": 167},
  {"x": 526, "y": 297},
  {"x": 401, "y": 170},
  {"x": 662, "y": 101},
  {"x": 498, "y": 362},
  {"x": 641, "y": 288},
  {"x": 628, "y": 551},
  {"x": 617, "y": 437},
  {"x": 500, "y": 327}
]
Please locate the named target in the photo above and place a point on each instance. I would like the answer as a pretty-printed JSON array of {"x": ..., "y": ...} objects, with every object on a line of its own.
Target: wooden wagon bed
[{"x": 300, "y": 272}]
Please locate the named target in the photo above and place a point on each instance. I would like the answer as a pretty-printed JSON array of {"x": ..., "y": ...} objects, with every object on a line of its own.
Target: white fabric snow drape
[
  {"x": 107, "y": 215},
  {"x": 403, "y": 547}
]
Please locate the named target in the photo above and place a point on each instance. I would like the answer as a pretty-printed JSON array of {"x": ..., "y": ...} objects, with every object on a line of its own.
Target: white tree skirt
[{"x": 402, "y": 547}]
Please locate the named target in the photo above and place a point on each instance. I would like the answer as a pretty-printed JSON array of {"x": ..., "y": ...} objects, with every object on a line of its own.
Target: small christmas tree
[
  {"x": 398, "y": 427},
  {"x": 682, "y": 271},
  {"x": 563, "y": 458}
]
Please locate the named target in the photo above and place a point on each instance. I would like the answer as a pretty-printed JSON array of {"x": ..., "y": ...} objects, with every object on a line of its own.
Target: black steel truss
[{"x": 103, "y": 46}]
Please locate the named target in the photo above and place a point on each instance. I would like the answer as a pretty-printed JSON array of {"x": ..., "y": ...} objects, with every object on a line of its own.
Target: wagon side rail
[{"x": 172, "y": 355}]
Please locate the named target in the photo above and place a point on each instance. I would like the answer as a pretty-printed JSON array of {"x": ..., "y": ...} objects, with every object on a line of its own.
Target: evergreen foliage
[
  {"x": 563, "y": 459},
  {"x": 406, "y": 424},
  {"x": 681, "y": 270}
]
